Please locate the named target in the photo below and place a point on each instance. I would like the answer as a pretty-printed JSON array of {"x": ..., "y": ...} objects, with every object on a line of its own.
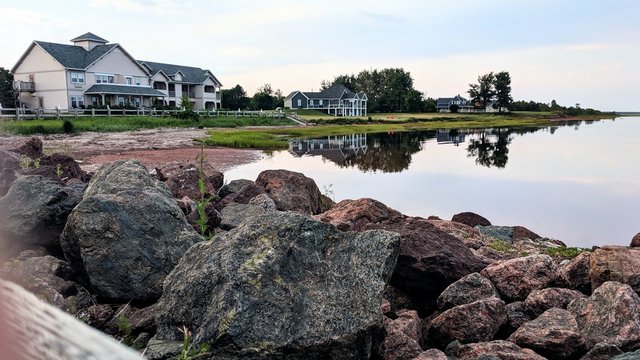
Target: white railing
[{"x": 26, "y": 114}]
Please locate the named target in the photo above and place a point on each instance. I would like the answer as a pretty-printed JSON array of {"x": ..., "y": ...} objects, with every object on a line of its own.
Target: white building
[
  {"x": 336, "y": 100},
  {"x": 92, "y": 72}
]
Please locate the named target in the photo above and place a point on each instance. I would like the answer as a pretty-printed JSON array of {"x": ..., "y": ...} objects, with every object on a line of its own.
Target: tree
[
  {"x": 7, "y": 99},
  {"x": 278, "y": 99},
  {"x": 502, "y": 87},
  {"x": 414, "y": 102},
  {"x": 483, "y": 92},
  {"x": 235, "y": 98},
  {"x": 263, "y": 98}
]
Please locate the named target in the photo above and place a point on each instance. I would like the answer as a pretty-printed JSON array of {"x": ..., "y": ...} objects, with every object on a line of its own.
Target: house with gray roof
[
  {"x": 337, "y": 100},
  {"x": 92, "y": 72}
]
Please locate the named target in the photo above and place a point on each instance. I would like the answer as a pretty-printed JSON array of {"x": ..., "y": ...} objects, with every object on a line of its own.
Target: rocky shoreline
[{"x": 283, "y": 272}]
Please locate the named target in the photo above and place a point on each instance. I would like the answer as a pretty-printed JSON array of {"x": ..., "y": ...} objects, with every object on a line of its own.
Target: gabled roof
[
  {"x": 190, "y": 74},
  {"x": 334, "y": 92},
  {"x": 293, "y": 93},
  {"x": 123, "y": 90},
  {"x": 71, "y": 56},
  {"x": 90, "y": 37}
]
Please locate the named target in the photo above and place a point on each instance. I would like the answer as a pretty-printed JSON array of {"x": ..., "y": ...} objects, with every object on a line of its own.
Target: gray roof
[
  {"x": 190, "y": 74},
  {"x": 333, "y": 92},
  {"x": 123, "y": 90},
  {"x": 75, "y": 57},
  {"x": 91, "y": 37}
]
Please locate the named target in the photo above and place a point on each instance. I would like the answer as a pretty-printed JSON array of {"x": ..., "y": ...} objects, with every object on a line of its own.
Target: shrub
[{"x": 67, "y": 127}]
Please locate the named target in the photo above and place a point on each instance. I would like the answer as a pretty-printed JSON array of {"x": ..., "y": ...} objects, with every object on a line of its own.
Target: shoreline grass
[{"x": 277, "y": 138}]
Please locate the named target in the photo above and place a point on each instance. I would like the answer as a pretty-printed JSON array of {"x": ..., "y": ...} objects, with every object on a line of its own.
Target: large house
[
  {"x": 92, "y": 72},
  {"x": 336, "y": 100}
]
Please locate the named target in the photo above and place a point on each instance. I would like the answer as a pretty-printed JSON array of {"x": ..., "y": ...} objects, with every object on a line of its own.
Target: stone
[
  {"x": 490, "y": 255},
  {"x": 162, "y": 349},
  {"x": 602, "y": 351},
  {"x": 497, "y": 349},
  {"x": 470, "y": 288},
  {"x": 628, "y": 356},
  {"x": 635, "y": 241},
  {"x": 132, "y": 320},
  {"x": 430, "y": 259},
  {"x": 615, "y": 263},
  {"x": 65, "y": 165},
  {"x": 404, "y": 336},
  {"x": 242, "y": 196},
  {"x": 516, "y": 278},
  {"x": 467, "y": 234},
  {"x": 575, "y": 273},
  {"x": 32, "y": 148},
  {"x": 553, "y": 334},
  {"x": 397, "y": 300},
  {"x": 233, "y": 186},
  {"x": 291, "y": 191},
  {"x": 126, "y": 234},
  {"x": 470, "y": 219},
  {"x": 468, "y": 323},
  {"x": 432, "y": 354},
  {"x": 503, "y": 233},
  {"x": 9, "y": 163},
  {"x": 542, "y": 300},
  {"x": 520, "y": 233},
  {"x": 39, "y": 210},
  {"x": 357, "y": 214},
  {"x": 317, "y": 290},
  {"x": 97, "y": 315},
  {"x": 516, "y": 316},
  {"x": 235, "y": 214},
  {"x": 183, "y": 179},
  {"x": 264, "y": 201},
  {"x": 611, "y": 315}
]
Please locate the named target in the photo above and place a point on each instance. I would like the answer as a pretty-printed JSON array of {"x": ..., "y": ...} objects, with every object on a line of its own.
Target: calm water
[{"x": 579, "y": 183}]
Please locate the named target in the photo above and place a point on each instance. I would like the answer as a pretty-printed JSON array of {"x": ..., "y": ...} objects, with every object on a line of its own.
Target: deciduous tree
[
  {"x": 235, "y": 98},
  {"x": 6, "y": 88},
  {"x": 483, "y": 92},
  {"x": 502, "y": 86}
]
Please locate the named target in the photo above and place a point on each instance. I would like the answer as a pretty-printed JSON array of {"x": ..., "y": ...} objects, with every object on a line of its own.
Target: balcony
[{"x": 25, "y": 86}]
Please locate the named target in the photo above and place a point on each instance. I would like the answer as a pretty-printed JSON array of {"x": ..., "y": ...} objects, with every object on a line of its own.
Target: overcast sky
[{"x": 574, "y": 51}]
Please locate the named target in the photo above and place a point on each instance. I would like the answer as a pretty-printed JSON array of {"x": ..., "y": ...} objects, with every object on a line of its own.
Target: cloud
[
  {"x": 156, "y": 7},
  {"x": 13, "y": 18}
]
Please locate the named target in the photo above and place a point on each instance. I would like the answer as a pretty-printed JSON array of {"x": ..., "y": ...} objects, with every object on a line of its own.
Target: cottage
[
  {"x": 337, "y": 100},
  {"x": 92, "y": 72}
]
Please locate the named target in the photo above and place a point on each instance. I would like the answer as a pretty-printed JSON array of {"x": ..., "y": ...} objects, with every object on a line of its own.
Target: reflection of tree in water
[
  {"x": 389, "y": 152},
  {"x": 491, "y": 148}
]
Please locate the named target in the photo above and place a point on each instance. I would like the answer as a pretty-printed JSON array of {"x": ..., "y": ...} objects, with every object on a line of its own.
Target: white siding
[
  {"x": 119, "y": 64},
  {"x": 48, "y": 76}
]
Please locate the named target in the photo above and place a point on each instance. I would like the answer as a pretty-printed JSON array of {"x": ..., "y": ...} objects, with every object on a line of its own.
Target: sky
[{"x": 574, "y": 51}]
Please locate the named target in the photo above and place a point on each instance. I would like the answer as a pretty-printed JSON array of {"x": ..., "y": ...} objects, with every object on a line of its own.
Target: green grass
[
  {"x": 129, "y": 123},
  {"x": 501, "y": 245},
  {"x": 565, "y": 252}
]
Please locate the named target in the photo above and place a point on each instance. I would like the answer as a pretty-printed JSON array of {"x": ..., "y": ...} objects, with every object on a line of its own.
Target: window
[
  {"x": 121, "y": 100},
  {"x": 138, "y": 81},
  {"x": 95, "y": 101},
  {"x": 136, "y": 102},
  {"x": 299, "y": 102},
  {"x": 320, "y": 102},
  {"x": 104, "y": 79},
  {"x": 77, "y": 78},
  {"x": 129, "y": 80},
  {"x": 77, "y": 102}
]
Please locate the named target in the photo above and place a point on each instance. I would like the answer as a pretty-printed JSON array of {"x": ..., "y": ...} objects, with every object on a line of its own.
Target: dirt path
[{"x": 151, "y": 147}]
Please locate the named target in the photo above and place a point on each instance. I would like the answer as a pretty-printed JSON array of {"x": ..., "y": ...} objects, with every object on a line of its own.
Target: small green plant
[
  {"x": 25, "y": 162},
  {"x": 67, "y": 127},
  {"x": 327, "y": 190},
  {"x": 188, "y": 351},
  {"x": 125, "y": 328},
  {"x": 204, "y": 201},
  {"x": 565, "y": 252},
  {"x": 36, "y": 163},
  {"x": 501, "y": 245},
  {"x": 58, "y": 170}
]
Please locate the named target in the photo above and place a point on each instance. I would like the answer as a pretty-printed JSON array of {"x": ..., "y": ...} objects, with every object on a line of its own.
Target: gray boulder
[
  {"x": 9, "y": 163},
  {"x": 127, "y": 233},
  {"x": 542, "y": 300},
  {"x": 36, "y": 210},
  {"x": 491, "y": 350},
  {"x": 233, "y": 186},
  {"x": 264, "y": 201},
  {"x": 470, "y": 288},
  {"x": 233, "y": 215},
  {"x": 575, "y": 273},
  {"x": 477, "y": 321},
  {"x": 553, "y": 334},
  {"x": 635, "y": 355},
  {"x": 281, "y": 284},
  {"x": 602, "y": 351},
  {"x": 615, "y": 263},
  {"x": 516, "y": 278},
  {"x": 611, "y": 315}
]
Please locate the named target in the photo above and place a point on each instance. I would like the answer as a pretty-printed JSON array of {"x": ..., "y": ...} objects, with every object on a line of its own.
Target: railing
[
  {"x": 26, "y": 86},
  {"x": 28, "y": 114}
]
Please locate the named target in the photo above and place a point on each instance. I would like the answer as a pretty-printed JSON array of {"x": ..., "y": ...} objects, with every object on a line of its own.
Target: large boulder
[
  {"x": 516, "y": 278},
  {"x": 468, "y": 235},
  {"x": 615, "y": 263},
  {"x": 516, "y": 316},
  {"x": 470, "y": 288},
  {"x": 291, "y": 191},
  {"x": 233, "y": 215},
  {"x": 430, "y": 259},
  {"x": 281, "y": 284},
  {"x": 470, "y": 219},
  {"x": 474, "y": 322},
  {"x": 497, "y": 349},
  {"x": 355, "y": 215},
  {"x": 403, "y": 336},
  {"x": 575, "y": 273},
  {"x": 184, "y": 179},
  {"x": 635, "y": 241},
  {"x": 553, "y": 334},
  {"x": 233, "y": 186},
  {"x": 9, "y": 163},
  {"x": 242, "y": 196},
  {"x": 36, "y": 210},
  {"x": 602, "y": 351},
  {"x": 127, "y": 233},
  {"x": 542, "y": 300},
  {"x": 611, "y": 315},
  {"x": 32, "y": 148}
]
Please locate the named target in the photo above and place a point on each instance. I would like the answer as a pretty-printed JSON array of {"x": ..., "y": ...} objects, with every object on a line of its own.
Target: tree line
[{"x": 263, "y": 99}]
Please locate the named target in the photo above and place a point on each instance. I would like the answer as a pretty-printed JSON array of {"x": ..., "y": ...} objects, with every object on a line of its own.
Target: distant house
[
  {"x": 336, "y": 100},
  {"x": 466, "y": 106},
  {"x": 92, "y": 72}
]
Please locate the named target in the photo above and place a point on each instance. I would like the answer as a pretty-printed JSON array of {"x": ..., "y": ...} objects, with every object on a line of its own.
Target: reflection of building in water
[
  {"x": 449, "y": 137},
  {"x": 334, "y": 148}
]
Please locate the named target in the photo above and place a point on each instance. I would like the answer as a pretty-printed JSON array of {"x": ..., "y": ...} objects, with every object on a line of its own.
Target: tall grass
[{"x": 129, "y": 123}]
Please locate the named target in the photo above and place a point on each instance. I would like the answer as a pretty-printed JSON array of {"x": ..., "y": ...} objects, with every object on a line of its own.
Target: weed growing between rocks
[
  {"x": 204, "y": 201},
  {"x": 565, "y": 252},
  {"x": 188, "y": 352}
]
